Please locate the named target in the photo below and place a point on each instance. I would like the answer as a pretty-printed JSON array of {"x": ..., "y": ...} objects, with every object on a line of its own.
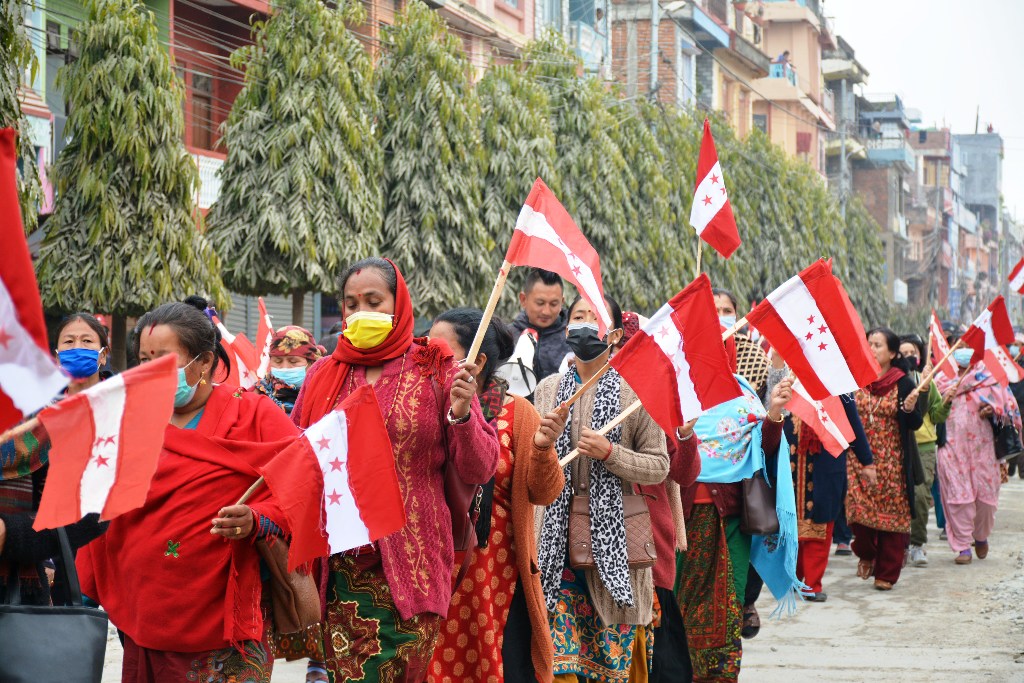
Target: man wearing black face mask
[{"x": 543, "y": 303}]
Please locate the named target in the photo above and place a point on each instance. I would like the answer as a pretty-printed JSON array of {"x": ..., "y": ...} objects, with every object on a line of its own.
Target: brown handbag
[
  {"x": 294, "y": 596},
  {"x": 640, "y": 550},
  {"x": 759, "y": 517}
]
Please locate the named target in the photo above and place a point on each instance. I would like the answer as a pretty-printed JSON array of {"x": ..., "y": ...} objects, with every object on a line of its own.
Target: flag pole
[
  {"x": 931, "y": 373},
  {"x": 252, "y": 489},
  {"x": 700, "y": 252},
  {"x": 588, "y": 384},
  {"x": 735, "y": 328},
  {"x": 619, "y": 419},
  {"x": 17, "y": 430},
  {"x": 492, "y": 303}
]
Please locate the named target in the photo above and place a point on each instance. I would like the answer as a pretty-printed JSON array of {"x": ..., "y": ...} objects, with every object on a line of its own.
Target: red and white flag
[
  {"x": 243, "y": 355},
  {"x": 940, "y": 349},
  {"x": 29, "y": 379},
  {"x": 547, "y": 237},
  {"x": 264, "y": 335},
  {"x": 105, "y": 443},
  {"x": 676, "y": 362},
  {"x": 711, "y": 213},
  {"x": 337, "y": 483},
  {"x": 1003, "y": 367},
  {"x": 812, "y": 324},
  {"x": 827, "y": 418},
  {"x": 991, "y": 330},
  {"x": 1017, "y": 277}
]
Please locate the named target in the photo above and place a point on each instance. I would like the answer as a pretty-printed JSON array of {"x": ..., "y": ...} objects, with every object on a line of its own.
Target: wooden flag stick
[
  {"x": 737, "y": 326},
  {"x": 17, "y": 430},
  {"x": 700, "y": 252},
  {"x": 492, "y": 303},
  {"x": 589, "y": 383},
  {"x": 619, "y": 419},
  {"x": 252, "y": 489},
  {"x": 928, "y": 349},
  {"x": 931, "y": 373}
]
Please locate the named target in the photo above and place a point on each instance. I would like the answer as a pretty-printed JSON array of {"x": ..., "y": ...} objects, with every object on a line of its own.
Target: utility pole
[
  {"x": 842, "y": 149},
  {"x": 655, "y": 22}
]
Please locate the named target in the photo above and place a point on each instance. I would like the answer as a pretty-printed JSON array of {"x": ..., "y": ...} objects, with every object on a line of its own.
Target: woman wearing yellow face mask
[{"x": 402, "y": 583}]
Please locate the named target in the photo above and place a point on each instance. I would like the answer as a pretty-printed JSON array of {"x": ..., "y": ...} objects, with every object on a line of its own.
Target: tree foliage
[
  {"x": 429, "y": 127},
  {"x": 301, "y": 187},
  {"x": 16, "y": 57},
  {"x": 123, "y": 237}
]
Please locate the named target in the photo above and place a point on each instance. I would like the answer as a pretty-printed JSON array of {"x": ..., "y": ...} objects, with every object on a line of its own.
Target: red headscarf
[{"x": 322, "y": 389}]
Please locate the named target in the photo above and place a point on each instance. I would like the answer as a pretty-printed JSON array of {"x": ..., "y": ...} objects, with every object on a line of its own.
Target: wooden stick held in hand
[
  {"x": 737, "y": 326},
  {"x": 492, "y": 303},
  {"x": 931, "y": 373},
  {"x": 252, "y": 489},
  {"x": 619, "y": 419},
  {"x": 588, "y": 384}
]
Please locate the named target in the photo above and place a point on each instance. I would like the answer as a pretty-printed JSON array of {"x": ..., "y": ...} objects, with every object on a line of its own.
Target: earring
[{"x": 202, "y": 378}]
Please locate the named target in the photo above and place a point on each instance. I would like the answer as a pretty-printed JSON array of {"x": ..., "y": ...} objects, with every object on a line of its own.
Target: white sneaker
[{"x": 918, "y": 558}]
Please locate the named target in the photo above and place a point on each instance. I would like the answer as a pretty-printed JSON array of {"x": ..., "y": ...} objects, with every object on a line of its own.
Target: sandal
[
  {"x": 751, "y": 622},
  {"x": 882, "y": 585},
  {"x": 865, "y": 568},
  {"x": 981, "y": 549}
]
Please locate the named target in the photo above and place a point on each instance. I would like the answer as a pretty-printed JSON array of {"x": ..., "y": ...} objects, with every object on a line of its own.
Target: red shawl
[
  {"x": 321, "y": 390},
  {"x": 884, "y": 384},
  {"x": 162, "y": 576}
]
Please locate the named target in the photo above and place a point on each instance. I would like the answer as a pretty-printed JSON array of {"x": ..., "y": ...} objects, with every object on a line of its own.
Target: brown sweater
[{"x": 536, "y": 481}]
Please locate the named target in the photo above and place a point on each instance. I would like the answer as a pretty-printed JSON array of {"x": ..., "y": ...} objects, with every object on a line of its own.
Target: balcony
[
  {"x": 899, "y": 291},
  {"x": 784, "y": 71},
  {"x": 828, "y": 102},
  {"x": 588, "y": 44},
  {"x": 891, "y": 151}
]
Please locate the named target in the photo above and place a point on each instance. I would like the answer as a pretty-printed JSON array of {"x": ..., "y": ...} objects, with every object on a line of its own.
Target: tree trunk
[
  {"x": 298, "y": 301},
  {"x": 118, "y": 342}
]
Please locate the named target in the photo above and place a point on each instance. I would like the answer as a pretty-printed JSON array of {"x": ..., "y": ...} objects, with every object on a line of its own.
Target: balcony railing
[
  {"x": 589, "y": 45},
  {"x": 783, "y": 71},
  {"x": 209, "y": 179},
  {"x": 828, "y": 103},
  {"x": 891, "y": 151}
]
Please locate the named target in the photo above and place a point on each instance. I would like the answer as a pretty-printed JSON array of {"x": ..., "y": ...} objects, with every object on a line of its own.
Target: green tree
[
  {"x": 123, "y": 237},
  {"x": 301, "y": 192},
  {"x": 429, "y": 127},
  {"x": 862, "y": 267},
  {"x": 15, "y": 57}
]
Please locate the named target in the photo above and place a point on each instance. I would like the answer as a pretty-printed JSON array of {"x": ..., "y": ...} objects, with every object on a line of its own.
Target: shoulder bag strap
[{"x": 74, "y": 588}]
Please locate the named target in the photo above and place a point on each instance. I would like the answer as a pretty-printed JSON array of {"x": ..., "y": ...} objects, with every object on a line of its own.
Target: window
[
  {"x": 512, "y": 3},
  {"x": 52, "y": 37},
  {"x": 761, "y": 122},
  {"x": 202, "y": 111}
]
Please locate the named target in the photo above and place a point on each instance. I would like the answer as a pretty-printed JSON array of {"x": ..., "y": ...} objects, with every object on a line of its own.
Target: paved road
[{"x": 943, "y": 623}]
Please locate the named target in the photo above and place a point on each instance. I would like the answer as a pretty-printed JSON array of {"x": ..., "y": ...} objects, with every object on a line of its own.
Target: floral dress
[{"x": 884, "y": 506}]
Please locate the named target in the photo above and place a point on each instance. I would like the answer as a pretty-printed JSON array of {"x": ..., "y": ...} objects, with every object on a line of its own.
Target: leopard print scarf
[{"x": 607, "y": 528}]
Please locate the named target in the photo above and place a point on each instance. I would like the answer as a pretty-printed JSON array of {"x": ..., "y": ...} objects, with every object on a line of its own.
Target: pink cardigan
[{"x": 418, "y": 560}]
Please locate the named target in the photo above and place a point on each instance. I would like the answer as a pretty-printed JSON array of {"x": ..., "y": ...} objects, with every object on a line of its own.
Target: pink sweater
[{"x": 418, "y": 560}]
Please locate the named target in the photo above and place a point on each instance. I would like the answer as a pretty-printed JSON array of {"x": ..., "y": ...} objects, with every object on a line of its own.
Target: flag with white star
[{"x": 711, "y": 213}]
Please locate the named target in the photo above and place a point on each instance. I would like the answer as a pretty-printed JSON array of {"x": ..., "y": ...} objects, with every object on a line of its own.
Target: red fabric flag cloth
[
  {"x": 676, "y": 362},
  {"x": 810, "y": 321},
  {"x": 1017, "y": 277},
  {"x": 105, "y": 442},
  {"x": 264, "y": 335},
  {"x": 160, "y": 574},
  {"x": 337, "y": 485},
  {"x": 547, "y": 237},
  {"x": 991, "y": 330},
  {"x": 711, "y": 213},
  {"x": 940, "y": 349},
  {"x": 29, "y": 379},
  {"x": 826, "y": 417},
  {"x": 1002, "y": 366},
  {"x": 244, "y": 357}
]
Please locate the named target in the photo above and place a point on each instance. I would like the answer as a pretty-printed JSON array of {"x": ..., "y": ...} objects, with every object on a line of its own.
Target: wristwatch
[{"x": 460, "y": 421}]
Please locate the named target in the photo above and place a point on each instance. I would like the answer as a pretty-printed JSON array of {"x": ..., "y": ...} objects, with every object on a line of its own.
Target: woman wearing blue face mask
[
  {"x": 211, "y": 625},
  {"x": 292, "y": 350},
  {"x": 81, "y": 343}
]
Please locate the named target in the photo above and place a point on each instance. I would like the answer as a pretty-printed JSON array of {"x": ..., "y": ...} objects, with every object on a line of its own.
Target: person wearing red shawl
[
  {"x": 185, "y": 594},
  {"x": 880, "y": 500},
  {"x": 383, "y": 603}
]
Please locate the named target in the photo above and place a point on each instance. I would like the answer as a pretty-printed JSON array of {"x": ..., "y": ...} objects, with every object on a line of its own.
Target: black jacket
[{"x": 551, "y": 346}]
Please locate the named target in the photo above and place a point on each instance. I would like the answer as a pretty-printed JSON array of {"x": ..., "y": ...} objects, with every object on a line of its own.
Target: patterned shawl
[
  {"x": 730, "y": 451},
  {"x": 607, "y": 527},
  {"x": 979, "y": 389}
]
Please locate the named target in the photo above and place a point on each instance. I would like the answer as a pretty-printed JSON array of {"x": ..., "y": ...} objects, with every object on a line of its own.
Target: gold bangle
[{"x": 782, "y": 418}]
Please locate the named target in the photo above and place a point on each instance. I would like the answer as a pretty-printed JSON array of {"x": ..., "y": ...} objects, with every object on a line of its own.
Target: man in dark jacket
[{"x": 543, "y": 302}]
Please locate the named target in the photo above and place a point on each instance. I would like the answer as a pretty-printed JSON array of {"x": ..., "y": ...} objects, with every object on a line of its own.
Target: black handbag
[
  {"x": 43, "y": 643},
  {"x": 1006, "y": 440},
  {"x": 759, "y": 517}
]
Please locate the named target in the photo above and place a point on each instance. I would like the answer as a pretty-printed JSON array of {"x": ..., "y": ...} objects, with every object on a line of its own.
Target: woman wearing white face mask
[
  {"x": 189, "y": 604},
  {"x": 600, "y": 618},
  {"x": 292, "y": 351},
  {"x": 402, "y": 583},
  {"x": 968, "y": 472}
]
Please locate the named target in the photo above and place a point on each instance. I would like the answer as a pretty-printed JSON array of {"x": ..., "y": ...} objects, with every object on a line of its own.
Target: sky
[{"x": 947, "y": 59}]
